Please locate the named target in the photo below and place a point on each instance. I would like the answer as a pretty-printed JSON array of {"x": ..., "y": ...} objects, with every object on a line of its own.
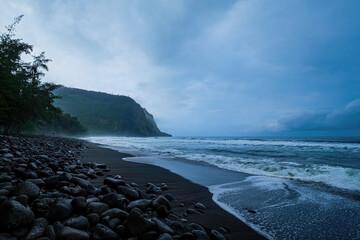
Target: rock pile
[{"x": 46, "y": 193}]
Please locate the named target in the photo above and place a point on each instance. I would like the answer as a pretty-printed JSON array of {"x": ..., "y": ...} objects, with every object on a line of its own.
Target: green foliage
[
  {"x": 64, "y": 124},
  {"x": 107, "y": 114},
  {"x": 24, "y": 101}
]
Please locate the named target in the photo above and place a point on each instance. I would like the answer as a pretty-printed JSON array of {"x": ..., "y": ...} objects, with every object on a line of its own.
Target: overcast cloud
[{"x": 208, "y": 67}]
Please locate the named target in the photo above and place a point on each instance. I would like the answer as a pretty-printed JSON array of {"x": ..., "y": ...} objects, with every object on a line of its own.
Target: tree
[{"x": 24, "y": 100}]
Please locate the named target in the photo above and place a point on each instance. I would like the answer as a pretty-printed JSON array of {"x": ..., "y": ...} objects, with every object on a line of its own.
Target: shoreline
[
  {"x": 65, "y": 188},
  {"x": 183, "y": 190}
]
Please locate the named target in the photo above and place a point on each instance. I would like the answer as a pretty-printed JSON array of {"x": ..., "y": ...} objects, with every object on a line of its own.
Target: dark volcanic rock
[
  {"x": 52, "y": 181},
  {"x": 128, "y": 192},
  {"x": 162, "y": 211},
  {"x": 68, "y": 233},
  {"x": 116, "y": 213},
  {"x": 81, "y": 182},
  {"x": 200, "y": 235},
  {"x": 141, "y": 204},
  {"x": 97, "y": 207},
  {"x": 162, "y": 227},
  {"x": 79, "y": 203},
  {"x": 14, "y": 214},
  {"x": 50, "y": 232},
  {"x": 27, "y": 188},
  {"x": 195, "y": 226},
  {"x": 7, "y": 236},
  {"x": 137, "y": 224},
  {"x": 93, "y": 218},
  {"x": 113, "y": 183},
  {"x": 200, "y": 206},
  {"x": 161, "y": 200},
  {"x": 38, "y": 229},
  {"x": 114, "y": 200},
  {"x": 164, "y": 236},
  {"x": 60, "y": 210},
  {"x": 102, "y": 232},
  {"x": 152, "y": 188},
  {"x": 215, "y": 235},
  {"x": 80, "y": 222}
]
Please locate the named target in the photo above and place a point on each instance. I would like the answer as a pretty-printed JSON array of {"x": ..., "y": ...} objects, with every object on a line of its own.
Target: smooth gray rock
[
  {"x": 141, "y": 204},
  {"x": 60, "y": 210},
  {"x": 27, "y": 188},
  {"x": 102, "y": 232},
  {"x": 116, "y": 213},
  {"x": 97, "y": 207},
  {"x": 164, "y": 236},
  {"x": 114, "y": 200},
  {"x": 80, "y": 222},
  {"x": 113, "y": 183},
  {"x": 137, "y": 224},
  {"x": 195, "y": 226},
  {"x": 161, "y": 200},
  {"x": 38, "y": 229},
  {"x": 200, "y": 206},
  {"x": 128, "y": 192},
  {"x": 50, "y": 232},
  {"x": 199, "y": 235},
  {"x": 215, "y": 235},
  {"x": 93, "y": 218},
  {"x": 14, "y": 214},
  {"x": 79, "y": 203},
  {"x": 68, "y": 233},
  {"x": 81, "y": 182},
  {"x": 162, "y": 227}
]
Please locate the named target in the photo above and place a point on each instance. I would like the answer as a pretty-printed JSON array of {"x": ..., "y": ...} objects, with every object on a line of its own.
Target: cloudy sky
[{"x": 208, "y": 67}]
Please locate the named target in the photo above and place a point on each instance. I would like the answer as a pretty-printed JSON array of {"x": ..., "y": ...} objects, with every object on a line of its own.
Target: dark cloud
[{"x": 343, "y": 119}]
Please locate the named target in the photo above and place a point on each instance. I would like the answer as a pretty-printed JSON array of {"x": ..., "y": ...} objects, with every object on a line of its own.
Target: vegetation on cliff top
[{"x": 104, "y": 113}]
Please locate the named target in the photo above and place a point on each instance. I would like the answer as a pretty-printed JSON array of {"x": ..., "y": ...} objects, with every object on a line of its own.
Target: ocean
[{"x": 284, "y": 188}]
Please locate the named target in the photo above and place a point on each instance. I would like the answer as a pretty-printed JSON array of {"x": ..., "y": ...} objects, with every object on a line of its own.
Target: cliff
[{"x": 106, "y": 114}]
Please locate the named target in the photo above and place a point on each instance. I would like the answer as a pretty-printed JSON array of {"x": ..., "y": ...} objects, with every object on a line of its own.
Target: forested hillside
[{"x": 106, "y": 114}]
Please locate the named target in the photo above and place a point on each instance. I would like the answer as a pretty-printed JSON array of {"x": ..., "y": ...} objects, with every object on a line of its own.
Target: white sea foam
[{"x": 231, "y": 155}]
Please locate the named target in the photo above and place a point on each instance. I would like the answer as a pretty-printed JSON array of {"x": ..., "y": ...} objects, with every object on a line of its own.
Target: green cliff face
[{"x": 106, "y": 114}]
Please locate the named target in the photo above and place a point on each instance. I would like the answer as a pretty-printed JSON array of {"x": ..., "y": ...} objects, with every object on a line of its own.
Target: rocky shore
[{"x": 47, "y": 192}]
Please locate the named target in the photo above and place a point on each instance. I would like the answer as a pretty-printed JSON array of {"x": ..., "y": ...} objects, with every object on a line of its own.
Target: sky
[{"x": 208, "y": 68}]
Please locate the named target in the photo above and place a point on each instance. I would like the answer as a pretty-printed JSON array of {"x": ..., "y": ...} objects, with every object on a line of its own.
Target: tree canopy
[{"x": 25, "y": 102}]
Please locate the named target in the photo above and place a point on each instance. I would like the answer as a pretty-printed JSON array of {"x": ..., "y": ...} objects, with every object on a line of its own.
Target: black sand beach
[
  {"x": 183, "y": 190},
  {"x": 63, "y": 188}
]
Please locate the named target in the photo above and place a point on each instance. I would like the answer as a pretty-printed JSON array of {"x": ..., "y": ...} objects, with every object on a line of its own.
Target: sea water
[{"x": 284, "y": 188}]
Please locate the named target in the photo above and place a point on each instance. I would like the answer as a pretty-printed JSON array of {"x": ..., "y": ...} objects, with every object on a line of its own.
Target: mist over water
[{"x": 305, "y": 188}]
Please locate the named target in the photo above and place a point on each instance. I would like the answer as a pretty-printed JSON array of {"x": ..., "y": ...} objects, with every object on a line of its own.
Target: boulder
[
  {"x": 215, "y": 235},
  {"x": 60, "y": 210},
  {"x": 116, "y": 213},
  {"x": 102, "y": 232},
  {"x": 161, "y": 200},
  {"x": 164, "y": 236},
  {"x": 81, "y": 182},
  {"x": 128, "y": 192},
  {"x": 113, "y": 183},
  {"x": 38, "y": 229},
  {"x": 14, "y": 214},
  {"x": 80, "y": 222},
  {"x": 93, "y": 218},
  {"x": 162, "y": 227},
  {"x": 68, "y": 233},
  {"x": 79, "y": 204},
  {"x": 97, "y": 207},
  {"x": 199, "y": 235},
  {"x": 27, "y": 188},
  {"x": 141, "y": 204},
  {"x": 137, "y": 224}
]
